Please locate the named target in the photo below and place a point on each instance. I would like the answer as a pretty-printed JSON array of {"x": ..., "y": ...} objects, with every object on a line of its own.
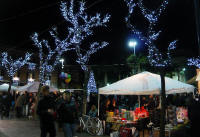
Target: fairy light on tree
[
  {"x": 12, "y": 66},
  {"x": 48, "y": 61},
  {"x": 194, "y": 62},
  {"x": 92, "y": 84},
  {"x": 155, "y": 57},
  {"x": 81, "y": 27}
]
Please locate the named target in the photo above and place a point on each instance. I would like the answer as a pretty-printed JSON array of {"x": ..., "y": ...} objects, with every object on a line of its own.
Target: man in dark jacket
[
  {"x": 68, "y": 115},
  {"x": 45, "y": 110}
]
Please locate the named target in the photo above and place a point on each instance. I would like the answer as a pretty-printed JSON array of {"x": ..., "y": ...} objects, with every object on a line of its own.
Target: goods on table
[
  {"x": 141, "y": 113},
  {"x": 182, "y": 114},
  {"x": 110, "y": 114}
]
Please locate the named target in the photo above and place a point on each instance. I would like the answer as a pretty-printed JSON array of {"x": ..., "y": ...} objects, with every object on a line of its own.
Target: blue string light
[
  {"x": 94, "y": 47},
  {"x": 91, "y": 87},
  {"x": 12, "y": 66},
  {"x": 155, "y": 57},
  {"x": 49, "y": 62},
  {"x": 194, "y": 62},
  {"x": 81, "y": 27}
]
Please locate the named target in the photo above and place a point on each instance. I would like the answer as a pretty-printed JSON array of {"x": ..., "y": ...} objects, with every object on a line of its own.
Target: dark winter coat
[
  {"x": 42, "y": 110},
  {"x": 67, "y": 112}
]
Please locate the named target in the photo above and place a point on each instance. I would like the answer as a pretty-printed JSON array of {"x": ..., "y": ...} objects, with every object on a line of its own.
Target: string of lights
[
  {"x": 12, "y": 66},
  {"x": 194, "y": 62},
  {"x": 46, "y": 66},
  {"x": 155, "y": 57},
  {"x": 82, "y": 26},
  {"x": 91, "y": 87}
]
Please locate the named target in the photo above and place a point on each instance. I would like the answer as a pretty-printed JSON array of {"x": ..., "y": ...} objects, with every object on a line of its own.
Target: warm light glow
[
  {"x": 31, "y": 80},
  {"x": 15, "y": 79}
]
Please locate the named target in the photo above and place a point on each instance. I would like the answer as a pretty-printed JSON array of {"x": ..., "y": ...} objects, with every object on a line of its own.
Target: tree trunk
[
  {"x": 37, "y": 100},
  {"x": 10, "y": 84},
  {"x": 163, "y": 102},
  {"x": 197, "y": 19},
  {"x": 84, "y": 107}
]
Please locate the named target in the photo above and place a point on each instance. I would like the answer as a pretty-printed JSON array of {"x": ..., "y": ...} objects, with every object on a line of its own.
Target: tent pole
[
  {"x": 98, "y": 103},
  {"x": 139, "y": 100}
]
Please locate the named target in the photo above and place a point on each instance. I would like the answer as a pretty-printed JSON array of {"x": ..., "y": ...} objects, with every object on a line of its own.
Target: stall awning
[{"x": 145, "y": 83}]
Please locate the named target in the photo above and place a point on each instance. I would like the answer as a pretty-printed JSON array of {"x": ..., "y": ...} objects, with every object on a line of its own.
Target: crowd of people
[
  {"x": 48, "y": 111},
  {"x": 64, "y": 108}
]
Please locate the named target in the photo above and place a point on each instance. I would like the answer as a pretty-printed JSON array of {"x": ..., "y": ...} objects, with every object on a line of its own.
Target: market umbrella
[
  {"x": 33, "y": 87},
  {"x": 4, "y": 87},
  {"x": 145, "y": 83}
]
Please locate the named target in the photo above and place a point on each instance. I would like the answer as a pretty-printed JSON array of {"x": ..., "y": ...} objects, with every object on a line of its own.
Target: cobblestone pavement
[{"x": 26, "y": 128}]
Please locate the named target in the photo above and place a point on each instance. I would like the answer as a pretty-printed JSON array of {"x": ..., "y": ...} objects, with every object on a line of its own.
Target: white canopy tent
[
  {"x": 4, "y": 87},
  {"x": 145, "y": 83},
  {"x": 33, "y": 87}
]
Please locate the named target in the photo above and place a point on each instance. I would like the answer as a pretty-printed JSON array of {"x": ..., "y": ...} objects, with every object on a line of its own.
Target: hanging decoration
[{"x": 66, "y": 77}]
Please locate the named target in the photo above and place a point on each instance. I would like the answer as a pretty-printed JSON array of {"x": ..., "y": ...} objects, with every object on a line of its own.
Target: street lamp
[
  {"x": 132, "y": 44},
  {"x": 62, "y": 61}
]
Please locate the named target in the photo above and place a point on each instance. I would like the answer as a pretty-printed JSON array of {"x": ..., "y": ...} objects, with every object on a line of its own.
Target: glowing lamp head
[
  {"x": 61, "y": 60},
  {"x": 132, "y": 43}
]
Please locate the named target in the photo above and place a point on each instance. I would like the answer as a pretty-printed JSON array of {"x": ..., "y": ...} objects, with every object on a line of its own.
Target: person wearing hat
[
  {"x": 45, "y": 110},
  {"x": 68, "y": 114}
]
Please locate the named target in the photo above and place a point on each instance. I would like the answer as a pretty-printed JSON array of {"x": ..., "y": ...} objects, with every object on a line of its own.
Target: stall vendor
[
  {"x": 151, "y": 103},
  {"x": 113, "y": 106},
  {"x": 144, "y": 102},
  {"x": 104, "y": 108}
]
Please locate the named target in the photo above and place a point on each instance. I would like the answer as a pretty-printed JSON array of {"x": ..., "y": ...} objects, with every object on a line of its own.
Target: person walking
[
  {"x": 45, "y": 110},
  {"x": 19, "y": 106},
  {"x": 68, "y": 115}
]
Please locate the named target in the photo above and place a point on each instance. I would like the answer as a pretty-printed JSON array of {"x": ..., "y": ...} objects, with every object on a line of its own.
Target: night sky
[{"x": 19, "y": 19}]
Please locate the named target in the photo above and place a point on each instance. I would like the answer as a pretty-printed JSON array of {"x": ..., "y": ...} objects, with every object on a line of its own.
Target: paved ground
[{"x": 26, "y": 128}]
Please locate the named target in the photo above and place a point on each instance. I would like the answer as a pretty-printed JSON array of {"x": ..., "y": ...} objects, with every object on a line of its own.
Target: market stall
[
  {"x": 144, "y": 83},
  {"x": 4, "y": 87},
  {"x": 33, "y": 87}
]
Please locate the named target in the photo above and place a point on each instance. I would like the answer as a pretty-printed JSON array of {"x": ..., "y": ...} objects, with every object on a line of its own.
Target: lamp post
[
  {"x": 62, "y": 61},
  {"x": 132, "y": 44}
]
